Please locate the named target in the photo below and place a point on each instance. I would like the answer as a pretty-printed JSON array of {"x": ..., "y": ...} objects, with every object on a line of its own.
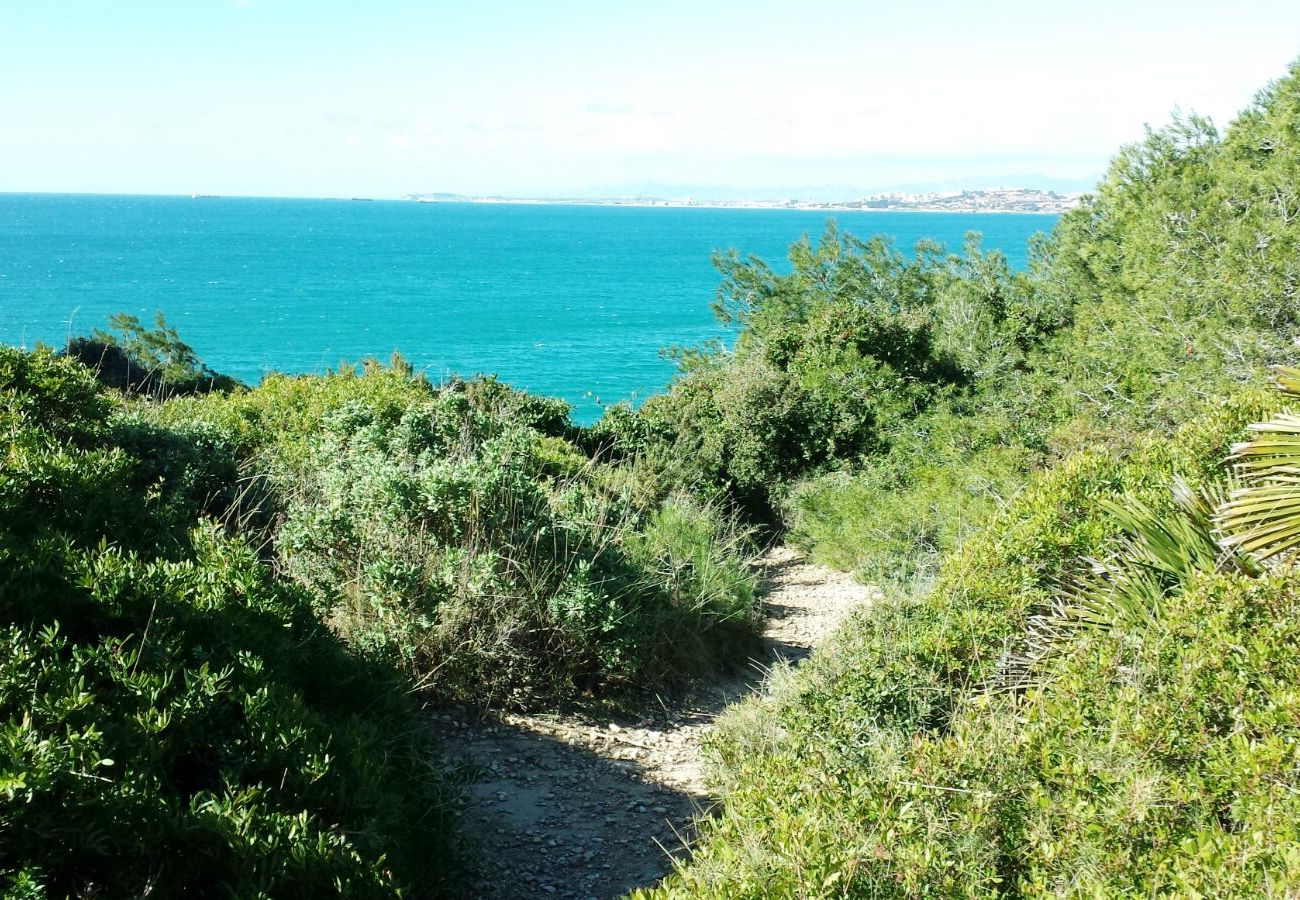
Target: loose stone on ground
[{"x": 571, "y": 807}]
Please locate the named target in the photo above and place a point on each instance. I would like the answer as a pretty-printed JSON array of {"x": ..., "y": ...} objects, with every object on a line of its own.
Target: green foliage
[
  {"x": 1151, "y": 757},
  {"x": 697, "y": 556},
  {"x": 1168, "y": 770},
  {"x": 1263, "y": 517},
  {"x": 548, "y": 415},
  {"x": 1163, "y": 550},
  {"x": 165, "y": 724},
  {"x": 495, "y": 562},
  {"x": 215, "y": 607},
  {"x": 276, "y": 422},
  {"x": 53, "y": 395},
  {"x": 151, "y": 361},
  {"x": 750, "y": 431},
  {"x": 1183, "y": 267},
  {"x": 894, "y": 519},
  {"x": 173, "y": 734},
  {"x": 458, "y": 532},
  {"x": 836, "y": 359}
]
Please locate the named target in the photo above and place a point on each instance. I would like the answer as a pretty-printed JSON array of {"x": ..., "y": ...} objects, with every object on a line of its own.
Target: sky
[{"x": 326, "y": 98}]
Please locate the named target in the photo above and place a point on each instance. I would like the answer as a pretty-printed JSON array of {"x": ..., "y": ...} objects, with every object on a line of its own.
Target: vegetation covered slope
[
  {"x": 878, "y": 407},
  {"x": 1094, "y": 694},
  {"x": 1153, "y": 754},
  {"x": 175, "y": 720},
  {"x": 219, "y": 606}
]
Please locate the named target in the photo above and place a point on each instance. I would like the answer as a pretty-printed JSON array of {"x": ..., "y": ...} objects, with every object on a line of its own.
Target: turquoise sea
[{"x": 571, "y": 301}]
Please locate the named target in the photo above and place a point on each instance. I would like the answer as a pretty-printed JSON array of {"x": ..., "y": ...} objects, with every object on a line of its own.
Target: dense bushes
[
  {"x": 896, "y": 516},
  {"x": 174, "y": 718},
  {"x": 173, "y": 732},
  {"x": 468, "y": 533},
  {"x": 500, "y": 564},
  {"x": 459, "y": 533},
  {"x": 216, "y": 606},
  {"x": 1184, "y": 265},
  {"x": 891, "y": 764},
  {"x": 880, "y": 406},
  {"x": 837, "y": 359}
]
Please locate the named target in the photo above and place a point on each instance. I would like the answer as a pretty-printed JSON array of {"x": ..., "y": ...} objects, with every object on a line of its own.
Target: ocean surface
[{"x": 570, "y": 301}]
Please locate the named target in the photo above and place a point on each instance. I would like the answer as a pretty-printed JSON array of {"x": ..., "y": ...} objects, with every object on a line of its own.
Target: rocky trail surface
[{"x": 565, "y": 806}]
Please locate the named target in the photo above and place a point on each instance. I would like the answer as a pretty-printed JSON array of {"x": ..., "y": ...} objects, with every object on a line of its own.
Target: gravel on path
[{"x": 566, "y": 806}]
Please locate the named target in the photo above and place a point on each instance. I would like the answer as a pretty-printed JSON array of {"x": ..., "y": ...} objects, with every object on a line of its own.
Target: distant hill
[
  {"x": 1003, "y": 200},
  {"x": 998, "y": 200}
]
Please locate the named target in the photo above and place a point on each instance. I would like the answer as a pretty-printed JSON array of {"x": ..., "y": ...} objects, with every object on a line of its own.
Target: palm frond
[
  {"x": 1126, "y": 592},
  {"x": 1287, "y": 380},
  {"x": 1262, "y": 517}
]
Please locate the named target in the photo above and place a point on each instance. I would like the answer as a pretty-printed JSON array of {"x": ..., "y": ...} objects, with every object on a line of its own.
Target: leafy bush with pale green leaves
[
  {"x": 500, "y": 565},
  {"x": 168, "y": 726},
  {"x": 472, "y": 536}
]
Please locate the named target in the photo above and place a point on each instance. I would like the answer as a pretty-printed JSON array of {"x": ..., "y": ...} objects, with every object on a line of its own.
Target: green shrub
[
  {"x": 165, "y": 725},
  {"x": 896, "y": 528},
  {"x": 884, "y": 767},
  {"x": 834, "y": 361},
  {"x": 548, "y": 415},
  {"x": 174, "y": 734},
  {"x": 498, "y": 564},
  {"x": 696, "y": 557},
  {"x": 459, "y": 532},
  {"x": 150, "y": 361},
  {"x": 1183, "y": 266}
]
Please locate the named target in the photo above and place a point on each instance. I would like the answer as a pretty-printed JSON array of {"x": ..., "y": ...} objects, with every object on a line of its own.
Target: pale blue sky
[{"x": 381, "y": 98}]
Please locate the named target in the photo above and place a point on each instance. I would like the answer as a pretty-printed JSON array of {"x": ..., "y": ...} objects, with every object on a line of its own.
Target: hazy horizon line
[{"x": 705, "y": 194}]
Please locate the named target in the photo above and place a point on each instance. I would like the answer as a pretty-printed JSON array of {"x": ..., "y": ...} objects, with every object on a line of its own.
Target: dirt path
[{"x": 569, "y": 807}]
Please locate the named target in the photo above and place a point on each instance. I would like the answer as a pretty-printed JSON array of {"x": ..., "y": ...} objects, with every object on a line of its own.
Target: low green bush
[
  {"x": 895, "y": 528},
  {"x": 499, "y": 564},
  {"x": 469, "y": 534},
  {"x": 887, "y": 766},
  {"x": 173, "y": 733},
  {"x": 173, "y": 718}
]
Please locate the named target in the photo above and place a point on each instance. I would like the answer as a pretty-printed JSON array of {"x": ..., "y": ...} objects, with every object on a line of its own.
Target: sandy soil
[{"x": 574, "y": 807}]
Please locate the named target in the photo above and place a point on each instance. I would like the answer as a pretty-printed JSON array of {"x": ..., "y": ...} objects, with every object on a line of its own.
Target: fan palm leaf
[
  {"x": 1262, "y": 517},
  {"x": 1287, "y": 380},
  {"x": 1126, "y": 593},
  {"x": 1231, "y": 528}
]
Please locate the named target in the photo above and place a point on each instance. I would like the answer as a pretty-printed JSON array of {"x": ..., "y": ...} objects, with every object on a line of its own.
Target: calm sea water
[{"x": 571, "y": 301}]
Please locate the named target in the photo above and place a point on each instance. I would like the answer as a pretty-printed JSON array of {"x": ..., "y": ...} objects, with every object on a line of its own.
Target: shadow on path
[
  {"x": 547, "y": 816},
  {"x": 570, "y": 806}
]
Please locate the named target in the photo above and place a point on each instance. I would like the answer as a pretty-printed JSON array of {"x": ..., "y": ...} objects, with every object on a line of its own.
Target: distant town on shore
[{"x": 999, "y": 200}]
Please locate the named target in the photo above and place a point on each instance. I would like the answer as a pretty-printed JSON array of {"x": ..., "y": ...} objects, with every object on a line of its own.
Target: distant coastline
[{"x": 1005, "y": 200}]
